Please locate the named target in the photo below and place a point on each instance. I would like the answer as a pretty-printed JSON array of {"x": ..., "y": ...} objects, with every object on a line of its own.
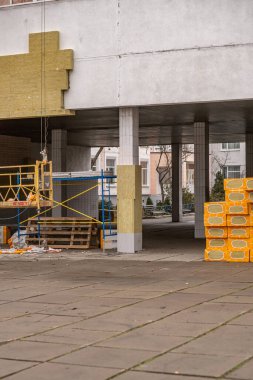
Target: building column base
[{"x": 129, "y": 243}]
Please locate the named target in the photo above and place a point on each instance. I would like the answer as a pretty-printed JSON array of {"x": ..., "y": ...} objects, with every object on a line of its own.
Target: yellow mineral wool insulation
[
  {"x": 240, "y": 208},
  {"x": 235, "y": 256},
  {"x": 238, "y": 220},
  {"x": 215, "y": 255},
  {"x": 216, "y": 244},
  {"x": 236, "y": 196},
  {"x": 216, "y": 232},
  {"x": 215, "y": 208},
  {"x": 238, "y": 244},
  {"x": 239, "y": 232},
  {"x": 218, "y": 220}
]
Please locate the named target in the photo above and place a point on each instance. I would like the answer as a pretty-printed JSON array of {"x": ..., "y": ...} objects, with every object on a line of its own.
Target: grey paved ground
[
  {"x": 155, "y": 316},
  {"x": 125, "y": 319}
]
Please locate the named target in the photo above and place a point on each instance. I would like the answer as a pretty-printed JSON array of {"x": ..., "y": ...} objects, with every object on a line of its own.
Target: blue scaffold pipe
[{"x": 103, "y": 203}]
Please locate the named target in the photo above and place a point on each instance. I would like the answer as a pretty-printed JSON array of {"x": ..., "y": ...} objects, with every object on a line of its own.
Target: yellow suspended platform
[{"x": 26, "y": 186}]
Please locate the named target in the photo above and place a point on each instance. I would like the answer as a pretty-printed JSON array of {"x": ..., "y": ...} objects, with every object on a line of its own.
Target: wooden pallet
[{"x": 68, "y": 233}]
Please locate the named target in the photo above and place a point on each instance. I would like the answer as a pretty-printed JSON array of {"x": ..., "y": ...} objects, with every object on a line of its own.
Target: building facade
[{"x": 229, "y": 159}]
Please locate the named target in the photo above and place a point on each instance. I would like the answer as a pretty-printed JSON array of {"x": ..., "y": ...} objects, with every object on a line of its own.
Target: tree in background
[
  {"x": 149, "y": 202},
  {"x": 188, "y": 197},
  {"x": 217, "y": 192},
  {"x": 164, "y": 169}
]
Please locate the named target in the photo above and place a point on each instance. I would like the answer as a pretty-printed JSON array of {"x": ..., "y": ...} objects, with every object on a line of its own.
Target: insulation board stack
[{"x": 229, "y": 224}]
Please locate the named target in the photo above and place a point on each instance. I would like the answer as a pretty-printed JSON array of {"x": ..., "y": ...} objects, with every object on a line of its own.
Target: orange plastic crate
[
  {"x": 239, "y": 232},
  {"x": 238, "y": 220},
  {"x": 216, "y": 232}
]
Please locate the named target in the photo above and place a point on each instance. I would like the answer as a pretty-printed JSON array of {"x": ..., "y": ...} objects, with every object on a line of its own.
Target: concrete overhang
[{"x": 164, "y": 124}]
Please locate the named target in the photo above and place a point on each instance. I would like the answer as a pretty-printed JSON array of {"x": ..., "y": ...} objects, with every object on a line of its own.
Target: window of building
[
  {"x": 190, "y": 174},
  {"x": 111, "y": 167},
  {"x": 232, "y": 171},
  {"x": 144, "y": 173},
  {"x": 230, "y": 146}
]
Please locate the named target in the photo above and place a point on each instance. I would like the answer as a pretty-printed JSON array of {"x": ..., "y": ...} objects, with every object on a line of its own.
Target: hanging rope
[{"x": 44, "y": 119}]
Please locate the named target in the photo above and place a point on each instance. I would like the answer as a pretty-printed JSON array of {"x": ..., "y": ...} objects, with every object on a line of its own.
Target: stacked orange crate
[
  {"x": 216, "y": 231},
  {"x": 248, "y": 185},
  {"x": 238, "y": 220}
]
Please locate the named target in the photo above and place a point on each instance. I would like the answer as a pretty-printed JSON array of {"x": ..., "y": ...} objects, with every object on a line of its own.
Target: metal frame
[
  {"x": 27, "y": 184},
  {"x": 102, "y": 177}
]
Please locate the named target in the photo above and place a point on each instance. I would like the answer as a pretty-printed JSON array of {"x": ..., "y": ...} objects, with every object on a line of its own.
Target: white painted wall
[{"x": 139, "y": 52}]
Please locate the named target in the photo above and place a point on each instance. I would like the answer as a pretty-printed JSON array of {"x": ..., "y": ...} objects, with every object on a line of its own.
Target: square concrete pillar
[
  {"x": 59, "y": 159},
  {"x": 201, "y": 174},
  {"x": 129, "y": 197},
  {"x": 249, "y": 155},
  {"x": 177, "y": 212}
]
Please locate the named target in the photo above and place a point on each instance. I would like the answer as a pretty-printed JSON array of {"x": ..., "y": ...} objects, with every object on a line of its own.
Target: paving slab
[
  {"x": 33, "y": 351},
  {"x": 244, "y": 292},
  {"x": 137, "y": 375},
  {"x": 217, "y": 287},
  {"x": 210, "y": 313},
  {"x": 140, "y": 340},
  {"x": 24, "y": 326},
  {"x": 244, "y": 372},
  {"x": 227, "y": 340},
  {"x": 54, "y": 371},
  {"x": 189, "y": 364},
  {"x": 243, "y": 320},
  {"x": 71, "y": 335},
  {"x": 235, "y": 299},
  {"x": 19, "y": 308},
  {"x": 166, "y": 327},
  {"x": 8, "y": 367},
  {"x": 137, "y": 294},
  {"x": 106, "y": 357}
]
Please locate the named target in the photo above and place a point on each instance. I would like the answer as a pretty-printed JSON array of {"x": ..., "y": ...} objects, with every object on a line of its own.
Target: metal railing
[{"x": 151, "y": 210}]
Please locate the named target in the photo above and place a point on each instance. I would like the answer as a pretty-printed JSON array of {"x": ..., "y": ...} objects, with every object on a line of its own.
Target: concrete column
[
  {"x": 177, "y": 212},
  {"x": 249, "y": 155},
  {"x": 59, "y": 159},
  {"x": 201, "y": 174},
  {"x": 129, "y": 189}
]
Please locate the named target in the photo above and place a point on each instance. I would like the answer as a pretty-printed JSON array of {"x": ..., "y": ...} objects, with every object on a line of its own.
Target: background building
[
  {"x": 229, "y": 158},
  {"x": 156, "y": 167}
]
